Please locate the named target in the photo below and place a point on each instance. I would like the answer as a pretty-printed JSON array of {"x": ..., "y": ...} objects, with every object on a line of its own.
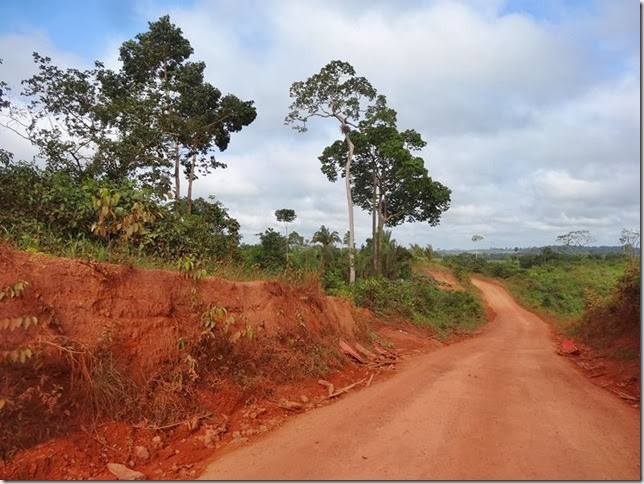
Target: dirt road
[{"x": 502, "y": 405}]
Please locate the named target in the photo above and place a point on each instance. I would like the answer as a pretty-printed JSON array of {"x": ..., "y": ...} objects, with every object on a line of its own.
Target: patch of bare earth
[{"x": 67, "y": 403}]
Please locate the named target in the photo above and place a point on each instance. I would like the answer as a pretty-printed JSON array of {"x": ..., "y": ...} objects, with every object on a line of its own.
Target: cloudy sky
[{"x": 531, "y": 109}]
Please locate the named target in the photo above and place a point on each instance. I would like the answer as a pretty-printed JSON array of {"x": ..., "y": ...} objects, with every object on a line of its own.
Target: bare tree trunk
[
  {"x": 190, "y": 178},
  {"x": 286, "y": 231},
  {"x": 347, "y": 180},
  {"x": 177, "y": 174},
  {"x": 374, "y": 237},
  {"x": 381, "y": 225}
]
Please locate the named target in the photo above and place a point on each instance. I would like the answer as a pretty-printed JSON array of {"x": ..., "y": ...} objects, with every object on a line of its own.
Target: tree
[
  {"x": 630, "y": 240},
  {"x": 326, "y": 238},
  {"x": 477, "y": 238},
  {"x": 155, "y": 114},
  {"x": 285, "y": 215},
  {"x": 192, "y": 115},
  {"x": 273, "y": 251},
  {"x": 576, "y": 238},
  {"x": 388, "y": 180},
  {"x": 335, "y": 92}
]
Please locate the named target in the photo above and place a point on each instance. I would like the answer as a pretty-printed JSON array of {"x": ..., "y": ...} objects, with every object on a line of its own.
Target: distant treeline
[{"x": 503, "y": 252}]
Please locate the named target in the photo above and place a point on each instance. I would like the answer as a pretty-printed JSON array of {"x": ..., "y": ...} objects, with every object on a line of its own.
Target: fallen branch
[
  {"x": 625, "y": 396},
  {"x": 175, "y": 424},
  {"x": 344, "y": 389},
  {"x": 597, "y": 374},
  {"x": 370, "y": 379}
]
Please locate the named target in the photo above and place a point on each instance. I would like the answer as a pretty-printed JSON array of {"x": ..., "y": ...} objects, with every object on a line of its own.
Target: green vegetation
[
  {"x": 555, "y": 283},
  {"x": 417, "y": 299}
]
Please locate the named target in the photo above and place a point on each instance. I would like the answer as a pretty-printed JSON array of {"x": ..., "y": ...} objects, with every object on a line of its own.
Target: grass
[
  {"x": 418, "y": 300},
  {"x": 561, "y": 288}
]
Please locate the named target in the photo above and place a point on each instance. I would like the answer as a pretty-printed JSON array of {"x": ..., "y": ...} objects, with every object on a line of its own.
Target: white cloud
[{"x": 533, "y": 124}]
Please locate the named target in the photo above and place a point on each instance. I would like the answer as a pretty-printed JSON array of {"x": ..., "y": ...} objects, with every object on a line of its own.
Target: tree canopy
[{"x": 388, "y": 180}]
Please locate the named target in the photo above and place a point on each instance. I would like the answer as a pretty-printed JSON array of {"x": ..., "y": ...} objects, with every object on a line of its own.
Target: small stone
[
  {"x": 241, "y": 440},
  {"x": 263, "y": 428},
  {"x": 156, "y": 442},
  {"x": 210, "y": 438},
  {"x": 141, "y": 452},
  {"x": 158, "y": 471},
  {"x": 131, "y": 463},
  {"x": 236, "y": 434},
  {"x": 123, "y": 473},
  {"x": 304, "y": 399},
  {"x": 176, "y": 451}
]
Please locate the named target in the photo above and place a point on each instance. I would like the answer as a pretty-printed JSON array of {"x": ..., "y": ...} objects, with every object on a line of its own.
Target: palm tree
[{"x": 327, "y": 239}]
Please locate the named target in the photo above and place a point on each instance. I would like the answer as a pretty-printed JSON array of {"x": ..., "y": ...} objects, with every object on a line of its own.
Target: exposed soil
[
  {"x": 503, "y": 405},
  {"x": 138, "y": 317},
  {"x": 445, "y": 277}
]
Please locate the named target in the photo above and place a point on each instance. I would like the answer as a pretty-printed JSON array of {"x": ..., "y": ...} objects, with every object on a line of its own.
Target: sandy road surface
[{"x": 502, "y": 405}]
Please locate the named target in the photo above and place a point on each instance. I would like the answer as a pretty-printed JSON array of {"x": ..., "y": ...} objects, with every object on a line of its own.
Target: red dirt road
[{"x": 502, "y": 405}]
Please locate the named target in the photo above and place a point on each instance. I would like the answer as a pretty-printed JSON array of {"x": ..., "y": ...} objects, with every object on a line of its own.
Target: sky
[{"x": 531, "y": 109}]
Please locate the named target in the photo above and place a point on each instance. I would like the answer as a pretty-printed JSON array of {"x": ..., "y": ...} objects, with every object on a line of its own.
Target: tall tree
[
  {"x": 193, "y": 114},
  {"x": 147, "y": 119},
  {"x": 286, "y": 216},
  {"x": 388, "y": 180},
  {"x": 335, "y": 92},
  {"x": 477, "y": 238}
]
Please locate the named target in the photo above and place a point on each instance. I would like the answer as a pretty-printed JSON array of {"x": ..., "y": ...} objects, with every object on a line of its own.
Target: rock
[
  {"x": 123, "y": 473},
  {"x": 263, "y": 428},
  {"x": 304, "y": 399},
  {"x": 156, "y": 442},
  {"x": 141, "y": 452},
  {"x": 236, "y": 434},
  {"x": 289, "y": 405},
  {"x": 210, "y": 438}
]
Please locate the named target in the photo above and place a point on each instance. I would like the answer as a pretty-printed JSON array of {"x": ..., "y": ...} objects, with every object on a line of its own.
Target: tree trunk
[
  {"x": 177, "y": 175},
  {"x": 347, "y": 180},
  {"x": 381, "y": 224},
  {"x": 374, "y": 210},
  {"x": 190, "y": 178},
  {"x": 286, "y": 230}
]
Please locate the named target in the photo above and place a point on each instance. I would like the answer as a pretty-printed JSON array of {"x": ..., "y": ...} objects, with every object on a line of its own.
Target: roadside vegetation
[{"x": 593, "y": 297}]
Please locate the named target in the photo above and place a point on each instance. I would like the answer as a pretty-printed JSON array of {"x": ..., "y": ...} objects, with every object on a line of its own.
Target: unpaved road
[{"x": 502, "y": 405}]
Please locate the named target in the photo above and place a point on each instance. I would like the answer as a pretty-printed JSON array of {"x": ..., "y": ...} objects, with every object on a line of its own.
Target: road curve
[{"x": 502, "y": 405}]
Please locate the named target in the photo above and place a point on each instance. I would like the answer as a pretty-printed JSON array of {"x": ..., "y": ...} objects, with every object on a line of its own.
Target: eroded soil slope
[
  {"x": 503, "y": 405},
  {"x": 126, "y": 358}
]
